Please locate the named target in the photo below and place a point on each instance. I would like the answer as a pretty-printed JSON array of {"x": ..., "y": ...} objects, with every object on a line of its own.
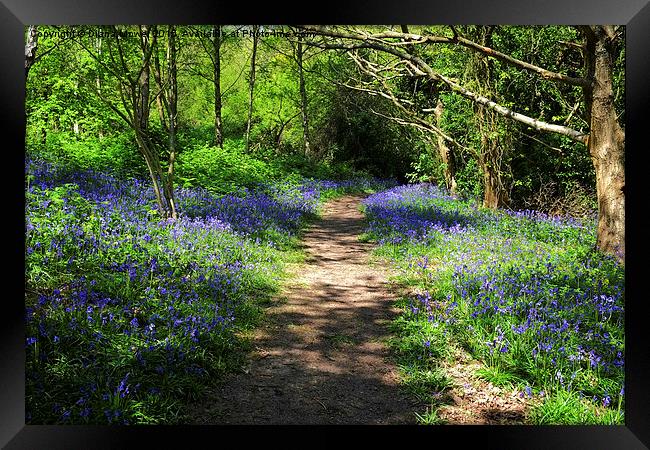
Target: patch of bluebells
[
  {"x": 414, "y": 213},
  {"x": 124, "y": 309},
  {"x": 525, "y": 290}
]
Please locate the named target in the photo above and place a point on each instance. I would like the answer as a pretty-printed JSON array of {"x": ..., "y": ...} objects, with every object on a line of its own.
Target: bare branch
[
  {"x": 408, "y": 39},
  {"x": 414, "y": 119},
  {"x": 423, "y": 68}
]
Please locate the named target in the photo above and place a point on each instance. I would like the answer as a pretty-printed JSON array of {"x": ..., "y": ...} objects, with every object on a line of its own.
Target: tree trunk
[
  {"x": 607, "y": 147},
  {"x": 303, "y": 100},
  {"x": 218, "y": 126},
  {"x": 251, "y": 88},
  {"x": 161, "y": 105},
  {"x": 30, "y": 48},
  {"x": 140, "y": 101},
  {"x": 98, "y": 80},
  {"x": 143, "y": 82},
  {"x": 173, "y": 120},
  {"x": 446, "y": 153},
  {"x": 495, "y": 194},
  {"x": 155, "y": 171}
]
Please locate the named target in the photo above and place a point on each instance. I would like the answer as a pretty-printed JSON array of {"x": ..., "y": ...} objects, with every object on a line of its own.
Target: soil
[
  {"x": 474, "y": 401},
  {"x": 321, "y": 355}
]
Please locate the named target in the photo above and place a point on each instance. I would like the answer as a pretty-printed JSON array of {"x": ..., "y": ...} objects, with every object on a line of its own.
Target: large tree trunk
[
  {"x": 303, "y": 100},
  {"x": 218, "y": 126},
  {"x": 251, "y": 88},
  {"x": 606, "y": 145},
  {"x": 446, "y": 153},
  {"x": 495, "y": 194}
]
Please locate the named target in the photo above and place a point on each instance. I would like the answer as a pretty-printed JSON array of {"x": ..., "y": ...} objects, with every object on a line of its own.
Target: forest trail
[{"x": 321, "y": 356}]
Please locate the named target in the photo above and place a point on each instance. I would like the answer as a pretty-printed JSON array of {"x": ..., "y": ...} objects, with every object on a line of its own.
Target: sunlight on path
[{"x": 321, "y": 356}]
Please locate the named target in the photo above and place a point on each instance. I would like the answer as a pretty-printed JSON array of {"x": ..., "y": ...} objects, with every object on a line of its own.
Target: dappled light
[{"x": 342, "y": 224}]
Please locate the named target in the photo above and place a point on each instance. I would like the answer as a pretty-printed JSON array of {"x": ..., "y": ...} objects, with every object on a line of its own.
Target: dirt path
[{"x": 321, "y": 357}]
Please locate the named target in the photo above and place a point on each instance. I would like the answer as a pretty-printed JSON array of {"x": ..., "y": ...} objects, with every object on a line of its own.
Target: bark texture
[
  {"x": 173, "y": 118},
  {"x": 491, "y": 153},
  {"x": 30, "y": 48},
  {"x": 607, "y": 146}
]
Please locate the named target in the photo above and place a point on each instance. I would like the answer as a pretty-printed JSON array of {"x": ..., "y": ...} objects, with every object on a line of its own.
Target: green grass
[
  {"x": 418, "y": 348},
  {"x": 564, "y": 407},
  {"x": 499, "y": 377},
  {"x": 429, "y": 417}
]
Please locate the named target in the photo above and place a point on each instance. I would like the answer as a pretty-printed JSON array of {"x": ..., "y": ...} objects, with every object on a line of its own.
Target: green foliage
[
  {"x": 470, "y": 182},
  {"x": 231, "y": 168},
  {"x": 568, "y": 407},
  {"x": 115, "y": 153},
  {"x": 418, "y": 346},
  {"x": 222, "y": 170},
  {"x": 427, "y": 168},
  {"x": 430, "y": 417},
  {"x": 62, "y": 98},
  {"x": 498, "y": 376}
]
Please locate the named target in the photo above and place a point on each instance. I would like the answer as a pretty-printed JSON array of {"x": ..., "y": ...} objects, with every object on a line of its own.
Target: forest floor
[{"x": 321, "y": 356}]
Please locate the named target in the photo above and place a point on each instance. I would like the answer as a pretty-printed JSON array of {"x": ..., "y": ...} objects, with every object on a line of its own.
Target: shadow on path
[{"x": 321, "y": 356}]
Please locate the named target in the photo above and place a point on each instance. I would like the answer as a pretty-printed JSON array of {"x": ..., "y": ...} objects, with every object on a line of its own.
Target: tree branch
[
  {"x": 408, "y": 39},
  {"x": 424, "y": 69},
  {"x": 544, "y": 73}
]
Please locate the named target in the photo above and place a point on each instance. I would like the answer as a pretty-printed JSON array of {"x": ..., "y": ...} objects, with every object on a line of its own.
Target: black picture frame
[{"x": 15, "y": 14}]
